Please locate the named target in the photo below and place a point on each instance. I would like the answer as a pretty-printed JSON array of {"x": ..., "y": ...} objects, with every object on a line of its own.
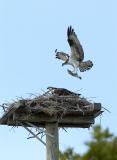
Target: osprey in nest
[{"x": 77, "y": 55}]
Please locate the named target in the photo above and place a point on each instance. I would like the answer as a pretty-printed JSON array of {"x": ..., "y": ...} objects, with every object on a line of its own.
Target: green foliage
[
  {"x": 103, "y": 146},
  {"x": 101, "y": 135},
  {"x": 69, "y": 154}
]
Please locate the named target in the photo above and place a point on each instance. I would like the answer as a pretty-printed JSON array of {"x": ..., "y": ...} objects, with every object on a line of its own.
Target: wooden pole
[{"x": 52, "y": 143}]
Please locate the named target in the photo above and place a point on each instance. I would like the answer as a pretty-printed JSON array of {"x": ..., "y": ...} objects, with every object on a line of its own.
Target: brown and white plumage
[
  {"x": 77, "y": 52},
  {"x": 61, "y": 92},
  {"x": 77, "y": 55}
]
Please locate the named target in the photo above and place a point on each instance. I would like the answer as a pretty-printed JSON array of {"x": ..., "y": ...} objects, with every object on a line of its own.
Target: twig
[
  {"x": 106, "y": 109},
  {"x": 4, "y": 107},
  {"x": 64, "y": 129},
  {"x": 32, "y": 94},
  {"x": 32, "y": 125},
  {"x": 34, "y": 136},
  {"x": 32, "y": 133},
  {"x": 12, "y": 128}
]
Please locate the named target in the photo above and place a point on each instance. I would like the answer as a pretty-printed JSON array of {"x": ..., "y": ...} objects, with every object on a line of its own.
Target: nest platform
[{"x": 59, "y": 105}]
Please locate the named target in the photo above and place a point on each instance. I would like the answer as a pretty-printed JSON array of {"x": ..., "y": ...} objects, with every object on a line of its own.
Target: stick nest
[{"x": 56, "y": 101}]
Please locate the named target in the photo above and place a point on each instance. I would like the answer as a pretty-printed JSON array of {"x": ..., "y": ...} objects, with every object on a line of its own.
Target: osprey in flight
[{"x": 77, "y": 55}]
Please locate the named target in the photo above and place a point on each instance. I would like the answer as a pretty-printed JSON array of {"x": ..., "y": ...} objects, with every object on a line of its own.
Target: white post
[{"x": 52, "y": 143}]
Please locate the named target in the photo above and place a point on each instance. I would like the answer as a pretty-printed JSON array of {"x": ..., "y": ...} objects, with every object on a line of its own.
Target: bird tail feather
[{"x": 84, "y": 66}]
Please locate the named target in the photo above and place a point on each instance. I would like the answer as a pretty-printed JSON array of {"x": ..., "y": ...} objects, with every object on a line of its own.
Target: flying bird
[{"x": 75, "y": 59}]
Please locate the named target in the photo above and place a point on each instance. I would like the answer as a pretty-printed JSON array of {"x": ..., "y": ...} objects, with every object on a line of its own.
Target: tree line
[{"x": 102, "y": 146}]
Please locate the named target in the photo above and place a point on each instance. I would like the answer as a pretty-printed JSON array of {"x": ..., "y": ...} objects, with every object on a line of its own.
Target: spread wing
[
  {"x": 77, "y": 52},
  {"x": 61, "y": 55}
]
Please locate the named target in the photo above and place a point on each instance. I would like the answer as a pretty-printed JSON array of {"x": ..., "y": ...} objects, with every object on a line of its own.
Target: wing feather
[
  {"x": 76, "y": 47},
  {"x": 61, "y": 55}
]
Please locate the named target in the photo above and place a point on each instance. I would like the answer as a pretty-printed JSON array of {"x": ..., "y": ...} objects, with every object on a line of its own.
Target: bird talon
[{"x": 74, "y": 74}]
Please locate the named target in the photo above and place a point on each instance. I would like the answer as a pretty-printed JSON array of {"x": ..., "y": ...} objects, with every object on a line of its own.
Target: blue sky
[{"x": 30, "y": 31}]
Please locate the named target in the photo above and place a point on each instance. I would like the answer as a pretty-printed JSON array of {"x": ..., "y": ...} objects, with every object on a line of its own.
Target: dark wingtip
[
  {"x": 70, "y": 30},
  {"x": 55, "y": 50},
  {"x": 57, "y": 56}
]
